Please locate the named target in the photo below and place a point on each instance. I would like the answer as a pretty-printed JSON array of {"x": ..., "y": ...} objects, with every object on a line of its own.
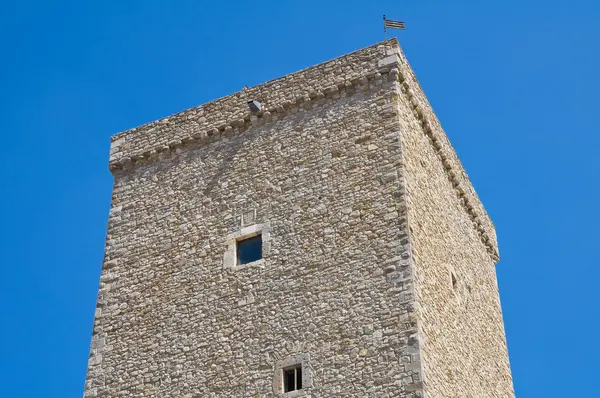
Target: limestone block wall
[
  {"x": 175, "y": 319},
  {"x": 463, "y": 345}
]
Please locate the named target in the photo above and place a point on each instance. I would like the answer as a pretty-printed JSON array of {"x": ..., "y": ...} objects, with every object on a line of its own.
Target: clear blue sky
[{"x": 516, "y": 86}]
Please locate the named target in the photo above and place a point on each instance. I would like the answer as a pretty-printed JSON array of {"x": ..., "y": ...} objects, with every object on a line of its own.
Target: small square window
[
  {"x": 246, "y": 247},
  {"x": 292, "y": 378},
  {"x": 249, "y": 249}
]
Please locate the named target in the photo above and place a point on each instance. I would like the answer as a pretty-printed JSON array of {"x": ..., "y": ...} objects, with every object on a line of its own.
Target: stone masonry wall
[
  {"x": 335, "y": 284},
  {"x": 461, "y": 331}
]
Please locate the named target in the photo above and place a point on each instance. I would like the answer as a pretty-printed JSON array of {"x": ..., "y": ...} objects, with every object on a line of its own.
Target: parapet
[{"x": 231, "y": 112}]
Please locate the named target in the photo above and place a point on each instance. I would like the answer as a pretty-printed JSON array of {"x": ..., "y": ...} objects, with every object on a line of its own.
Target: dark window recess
[
  {"x": 249, "y": 250},
  {"x": 453, "y": 281},
  {"x": 292, "y": 379}
]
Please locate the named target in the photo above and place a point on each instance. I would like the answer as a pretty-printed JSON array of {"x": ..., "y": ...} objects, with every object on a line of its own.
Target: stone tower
[{"x": 322, "y": 240}]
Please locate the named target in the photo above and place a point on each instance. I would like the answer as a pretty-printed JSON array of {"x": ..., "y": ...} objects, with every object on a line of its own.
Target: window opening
[
  {"x": 292, "y": 379},
  {"x": 453, "y": 280},
  {"x": 249, "y": 249}
]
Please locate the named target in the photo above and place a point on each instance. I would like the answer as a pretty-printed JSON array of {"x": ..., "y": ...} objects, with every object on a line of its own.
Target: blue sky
[{"x": 515, "y": 84}]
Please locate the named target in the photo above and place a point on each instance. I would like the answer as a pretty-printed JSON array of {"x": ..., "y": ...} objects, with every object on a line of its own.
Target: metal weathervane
[{"x": 388, "y": 23}]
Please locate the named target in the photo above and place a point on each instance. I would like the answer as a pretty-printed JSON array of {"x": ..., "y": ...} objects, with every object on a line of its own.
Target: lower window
[{"x": 292, "y": 378}]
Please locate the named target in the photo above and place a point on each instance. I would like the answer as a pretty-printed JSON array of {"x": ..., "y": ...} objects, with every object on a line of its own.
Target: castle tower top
[{"x": 207, "y": 122}]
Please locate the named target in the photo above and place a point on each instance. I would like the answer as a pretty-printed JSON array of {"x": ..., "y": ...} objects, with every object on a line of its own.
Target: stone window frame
[
  {"x": 307, "y": 380},
  {"x": 230, "y": 259}
]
